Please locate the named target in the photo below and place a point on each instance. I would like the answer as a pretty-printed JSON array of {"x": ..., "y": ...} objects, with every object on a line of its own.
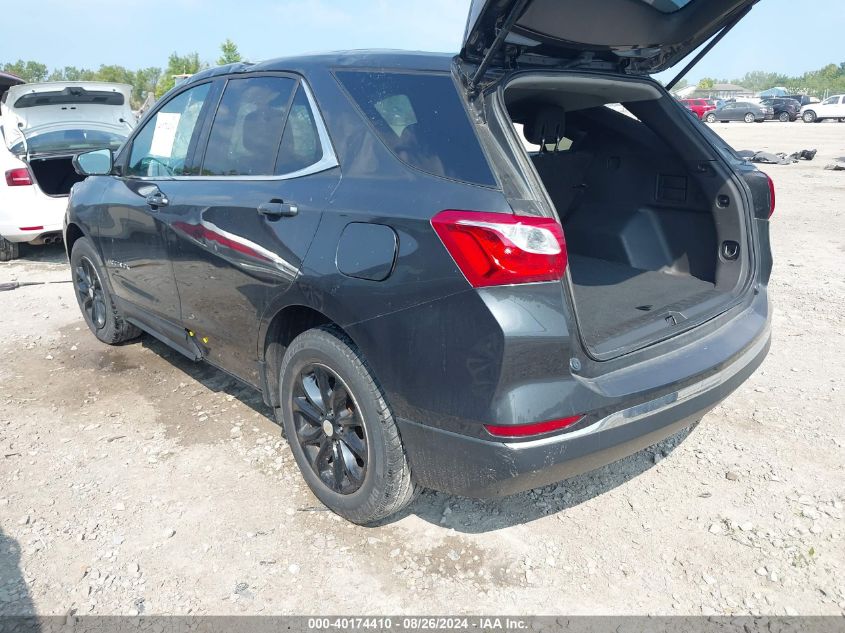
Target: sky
[{"x": 778, "y": 35}]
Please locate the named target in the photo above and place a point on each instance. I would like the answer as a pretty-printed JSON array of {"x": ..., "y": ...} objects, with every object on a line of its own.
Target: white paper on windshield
[{"x": 165, "y": 133}]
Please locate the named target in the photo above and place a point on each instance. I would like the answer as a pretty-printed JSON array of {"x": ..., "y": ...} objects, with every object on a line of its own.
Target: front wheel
[
  {"x": 749, "y": 118},
  {"x": 8, "y": 250},
  {"x": 340, "y": 429},
  {"x": 710, "y": 118},
  {"x": 809, "y": 116},
  {"x": 94, "y": 297}
]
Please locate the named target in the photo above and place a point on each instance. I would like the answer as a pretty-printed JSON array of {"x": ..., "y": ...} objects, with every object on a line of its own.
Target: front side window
[
  {"x": 831, "y": 101},
  {"x": 421, "y": 119},
  {"x": 161, "y": 147},
  {"x": 248, "y": 127}
]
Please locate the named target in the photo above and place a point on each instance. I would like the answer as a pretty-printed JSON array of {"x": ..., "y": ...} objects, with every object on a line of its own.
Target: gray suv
[{"x": 478, "y": 273}]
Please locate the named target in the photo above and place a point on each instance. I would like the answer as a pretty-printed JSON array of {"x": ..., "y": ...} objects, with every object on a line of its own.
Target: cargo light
[
  {"x": 771, "y": 195},
  {"x": 495, "y": 249},
  {"x": 536, "y": 428},
  {"x": 18, "y": 177},
  {"x": 32, "y": 228}
]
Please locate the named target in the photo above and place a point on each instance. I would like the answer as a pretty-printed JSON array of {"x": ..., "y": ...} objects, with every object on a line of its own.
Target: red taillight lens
[
  {"x": 527, "y": 430},
  {"x": 771, "y": 196},
  {"x": 495, "y": 249},
  {"x": 18, "y": 177}
]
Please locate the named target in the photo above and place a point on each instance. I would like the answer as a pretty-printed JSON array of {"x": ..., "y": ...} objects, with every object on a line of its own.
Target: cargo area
[
  {"x": 54, "y": 174},
  {"x": 646, "y": 207}
]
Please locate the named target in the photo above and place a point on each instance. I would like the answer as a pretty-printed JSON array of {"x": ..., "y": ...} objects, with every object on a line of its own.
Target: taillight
[
  {"x": 536, "y": 428},
  {"x": 771, "y": 195},
  {"x": 18, "y": 177},
  {"x": 495, "y": 249}
]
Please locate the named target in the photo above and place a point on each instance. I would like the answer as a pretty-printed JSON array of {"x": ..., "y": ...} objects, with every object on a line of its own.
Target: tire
[
  {"x": 809, "y": 116},
  {"x": 783, "y": 117},
  {"x": 362, "y": 442},
  {"x": 94, "y": 296},
  {"x": 749, "y": 118},
  {"x": 8, "y": 250},
  {"x": 710, "y": 118}
]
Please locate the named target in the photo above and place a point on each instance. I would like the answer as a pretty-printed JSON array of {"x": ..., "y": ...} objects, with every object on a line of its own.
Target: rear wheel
[
  {"x": 809, "y": 116},
  {"x": 340, "y": 429},
  {"x": 8, "y": 250},
  {"x": 94, "y": 296},
  {"x": 783, "y": 117},
  {"x": 710, "y": 118},
  {"x": 749, "y": 117}
]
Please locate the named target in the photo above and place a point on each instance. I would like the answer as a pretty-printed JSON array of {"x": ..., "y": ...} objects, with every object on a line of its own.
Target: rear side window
[
  {"x": 301, "y": 142},
  {"x": 421, "y": 119},
  {"x": 248, "y": 127}
]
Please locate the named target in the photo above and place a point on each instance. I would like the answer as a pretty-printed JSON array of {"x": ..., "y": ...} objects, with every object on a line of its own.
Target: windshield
[{"x": 70, "y": 140}]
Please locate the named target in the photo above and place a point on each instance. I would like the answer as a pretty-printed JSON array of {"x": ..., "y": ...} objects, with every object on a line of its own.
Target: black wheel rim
[
  {"x": 90, "y": 291},
  {"x": 330, "y": 429}
]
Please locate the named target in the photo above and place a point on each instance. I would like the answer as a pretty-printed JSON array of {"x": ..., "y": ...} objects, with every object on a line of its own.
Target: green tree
[
  {"x": 706, "y": 83},
  {"x": 178, "y": 65},
  {"x": 230, "y": 53},
  {"x": 30, "y": 71},
  {"x": 146, "y": 80}
]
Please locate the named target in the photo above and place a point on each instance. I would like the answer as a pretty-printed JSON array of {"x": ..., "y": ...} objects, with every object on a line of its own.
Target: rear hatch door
[
  {"x": 633, "y": 36},
  {"x": 33, "y": 110}
]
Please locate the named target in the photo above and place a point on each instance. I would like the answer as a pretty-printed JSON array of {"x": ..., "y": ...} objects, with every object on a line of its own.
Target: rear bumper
[
  {"x": 477, "y": 468},
  {"x": 38, "y": 236}
]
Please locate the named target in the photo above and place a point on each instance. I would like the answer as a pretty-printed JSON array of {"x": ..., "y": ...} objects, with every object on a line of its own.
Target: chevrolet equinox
[{"x": 479, "y": 273}]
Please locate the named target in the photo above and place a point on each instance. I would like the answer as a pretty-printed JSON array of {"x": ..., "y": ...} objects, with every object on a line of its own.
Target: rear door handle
[
  {"x": 157, "y": 199},
  {"x": 278, "y": 209}
]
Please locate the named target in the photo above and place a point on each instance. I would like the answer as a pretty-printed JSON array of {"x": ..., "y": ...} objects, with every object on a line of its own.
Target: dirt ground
[{"x": 132, "y": 481}]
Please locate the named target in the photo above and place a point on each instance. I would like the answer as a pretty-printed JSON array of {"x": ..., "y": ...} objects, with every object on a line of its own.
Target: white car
[
  {"x": 43, "y": 126},
  {"x": 831, "y": 108}
]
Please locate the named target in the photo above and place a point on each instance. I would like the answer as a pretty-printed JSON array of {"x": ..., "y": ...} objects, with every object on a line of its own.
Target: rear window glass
[{"x": 421, "y": 119}]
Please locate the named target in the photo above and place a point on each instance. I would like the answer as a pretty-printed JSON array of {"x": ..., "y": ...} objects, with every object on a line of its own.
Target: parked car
[
  {"x": 785, "y": 110},
  {"x": 43, "y": 126},
  {"x": 831, "y": 108},
  {"x": 802, "y": 99},
  {"x": 422, "y": 301},
  {"x": 700, "y": 106},
  {"x": 741, "y": 111}
]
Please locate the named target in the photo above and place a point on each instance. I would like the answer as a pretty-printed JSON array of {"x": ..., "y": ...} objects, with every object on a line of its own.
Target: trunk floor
[{"x": 612, "y": 298}]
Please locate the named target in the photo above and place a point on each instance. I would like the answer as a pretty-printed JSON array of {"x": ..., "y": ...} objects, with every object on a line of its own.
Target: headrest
[
  {"x": 547, "y": 127},
  {"x": 259, "y": 130}
]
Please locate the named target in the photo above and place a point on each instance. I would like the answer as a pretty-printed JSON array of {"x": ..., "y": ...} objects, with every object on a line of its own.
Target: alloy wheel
[
  {"x": 91, "y": 295},
  {"x": 330, "y": 429}
]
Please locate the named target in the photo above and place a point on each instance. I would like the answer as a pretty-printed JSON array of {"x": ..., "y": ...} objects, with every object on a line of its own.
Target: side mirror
[{"x": 97, "y": 163}]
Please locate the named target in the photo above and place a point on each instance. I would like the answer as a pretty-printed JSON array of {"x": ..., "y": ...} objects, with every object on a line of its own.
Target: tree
[
  {"x": 230, "y": 53},
  {"x": 178, "y": 65},
  {"x": 706, "y": 83},
  {"x": 30, "y": 71}
]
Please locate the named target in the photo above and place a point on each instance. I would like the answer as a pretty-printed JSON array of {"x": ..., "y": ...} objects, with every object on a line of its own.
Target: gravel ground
[{"x": 132, "y": 481}]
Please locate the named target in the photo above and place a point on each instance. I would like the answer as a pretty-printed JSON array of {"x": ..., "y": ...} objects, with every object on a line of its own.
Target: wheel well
[
  {"x": 289, "y": 323},
  {"x": 72, "y": 233}
]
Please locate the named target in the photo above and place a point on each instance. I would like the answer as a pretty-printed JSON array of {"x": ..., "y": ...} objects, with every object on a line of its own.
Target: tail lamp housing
[
  {"x": 496, "y": 249},
  {"x": 18, "y": 177}
]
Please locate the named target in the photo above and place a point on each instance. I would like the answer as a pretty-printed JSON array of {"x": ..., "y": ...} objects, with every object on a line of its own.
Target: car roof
[{"x": 381, "y": 59}]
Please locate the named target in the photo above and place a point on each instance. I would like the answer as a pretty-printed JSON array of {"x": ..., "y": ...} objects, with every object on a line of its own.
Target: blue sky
[{"x": 778, "y": 35}]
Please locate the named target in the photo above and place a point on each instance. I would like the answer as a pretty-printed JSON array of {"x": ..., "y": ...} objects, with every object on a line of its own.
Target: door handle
[
  {"x": 278, "y": 209},
  {"x": 157, "y": 199}
]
